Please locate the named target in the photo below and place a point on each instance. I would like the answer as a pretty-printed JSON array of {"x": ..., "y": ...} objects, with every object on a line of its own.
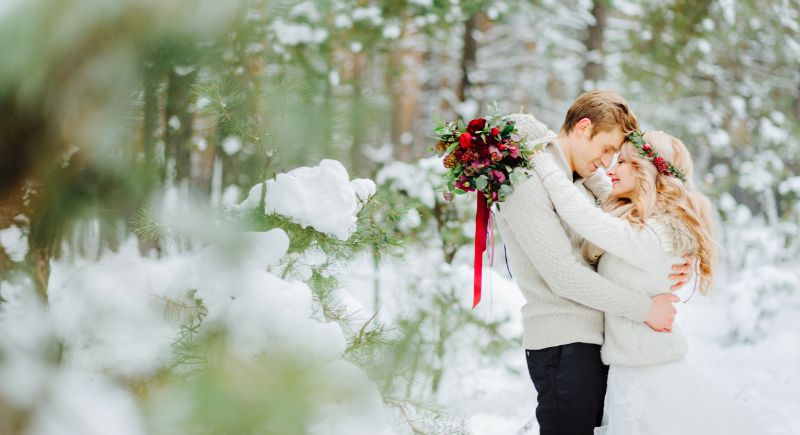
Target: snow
[
  {"x": 174, "y": 122},
  {"x": 342, "y": 22},
  {"x": 306, "y": 9},
  {"x": 72, "y": 405},
  {"x": 417, "y": 181},
  {"x": 494, "y": 395},
  {"x": 322, "y": 197},
  {"x": 295, "y": 34},
  {"x": 105, "y": 325},
  {"x": 109, "y": 314},
  {"x": 391, "y": 31},
  {"x": 369, "y": 13},
  {"x": 231, "y": 145},
  {"x": 14, "y": 242}
]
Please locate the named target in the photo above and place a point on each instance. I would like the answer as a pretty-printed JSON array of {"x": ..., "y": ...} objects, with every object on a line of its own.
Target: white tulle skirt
[{"x": 669, "y": 399}]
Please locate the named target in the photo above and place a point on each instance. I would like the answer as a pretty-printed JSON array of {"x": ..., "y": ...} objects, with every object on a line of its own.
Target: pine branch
[{"x": 146, "y": 227}]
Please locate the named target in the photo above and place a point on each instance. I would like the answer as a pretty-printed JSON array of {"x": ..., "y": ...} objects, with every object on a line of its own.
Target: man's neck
[{"x": 566, "y": 148}]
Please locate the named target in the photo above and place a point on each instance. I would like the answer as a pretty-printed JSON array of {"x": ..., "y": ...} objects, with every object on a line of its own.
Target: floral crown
[{"x": 646, "y": 151}]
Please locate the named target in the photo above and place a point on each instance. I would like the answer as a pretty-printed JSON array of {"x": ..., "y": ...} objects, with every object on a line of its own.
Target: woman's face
[{"x": 622, "y": 178}]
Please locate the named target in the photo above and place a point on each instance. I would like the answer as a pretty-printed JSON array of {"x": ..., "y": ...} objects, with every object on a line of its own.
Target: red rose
[
  {"x": 495, "y": 131},
  {"x": 646, "y": 147},
  {"x": 476, "y": 125},
  {"x": 465, "y": 140}
]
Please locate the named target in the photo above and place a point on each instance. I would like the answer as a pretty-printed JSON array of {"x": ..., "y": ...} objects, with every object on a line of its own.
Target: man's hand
[
  {"x": 681, "y": 273},
  {"x": 662, "y": 312}
]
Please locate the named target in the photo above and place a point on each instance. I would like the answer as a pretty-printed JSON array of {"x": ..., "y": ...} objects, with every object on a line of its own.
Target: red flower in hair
[{"x": 661, "y": 165}]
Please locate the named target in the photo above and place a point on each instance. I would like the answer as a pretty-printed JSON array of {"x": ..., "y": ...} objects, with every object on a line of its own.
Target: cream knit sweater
[
  {"x": 637, "y": 258},
  {"x": 565, "y": 297}
]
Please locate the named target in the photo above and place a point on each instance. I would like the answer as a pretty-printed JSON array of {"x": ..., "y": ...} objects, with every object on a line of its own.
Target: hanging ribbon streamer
[{"x": 482, "y": 222}]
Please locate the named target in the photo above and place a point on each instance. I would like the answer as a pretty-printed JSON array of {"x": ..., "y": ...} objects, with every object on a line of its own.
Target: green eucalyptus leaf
[{"x": 481, "y": 182}]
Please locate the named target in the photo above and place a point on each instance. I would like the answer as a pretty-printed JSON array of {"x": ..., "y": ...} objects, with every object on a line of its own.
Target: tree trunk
[
  {"x": 151, "y": 115},
  {"x": 797, "y": 103},
  {"x": 401, "y": 80},
  {"x": 178, "y": 128},
  {"x": 468, "y": 55},
  {"x": 593, "y": 68},
  {"x": 357, "y": 127}
]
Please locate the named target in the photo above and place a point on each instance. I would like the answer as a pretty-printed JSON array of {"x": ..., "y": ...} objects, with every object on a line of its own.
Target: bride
[{"x": 650, "y": 213}]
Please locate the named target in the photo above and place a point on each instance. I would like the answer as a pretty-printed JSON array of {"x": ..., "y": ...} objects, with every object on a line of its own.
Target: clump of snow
[
  {"x": 74, "y": 405},
  {"x": 14, "y": 242},
  {"x": 369, "y": 13},
  {"x": 361, "y": 413},
  {"x": 296, "y": 34},
  {"x": 306, "y": 9},
  {"x": 104, "y": 313},
  {"x": 260, "y": 311},
  {"x": 59, "y": 399},
  {"x": 231, "y": 145},
  {"x": 322, "y": 197}
]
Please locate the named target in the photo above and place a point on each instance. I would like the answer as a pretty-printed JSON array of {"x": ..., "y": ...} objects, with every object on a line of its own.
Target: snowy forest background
[{"x": 224, "y": 217}]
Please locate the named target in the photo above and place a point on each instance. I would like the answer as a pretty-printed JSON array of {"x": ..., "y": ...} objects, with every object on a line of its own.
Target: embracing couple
[{"x": 597, "y": 248}]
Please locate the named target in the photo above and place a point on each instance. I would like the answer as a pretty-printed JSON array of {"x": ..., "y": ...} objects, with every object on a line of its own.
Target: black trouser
[{"x": 571, "y": 384}]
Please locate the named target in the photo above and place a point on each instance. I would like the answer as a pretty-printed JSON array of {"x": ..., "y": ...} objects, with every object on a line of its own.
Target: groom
[{"x": 566, "y": 298}]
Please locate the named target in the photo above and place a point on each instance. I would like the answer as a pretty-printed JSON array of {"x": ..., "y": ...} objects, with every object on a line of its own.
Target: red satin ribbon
[{"x": 482, "y": 222}]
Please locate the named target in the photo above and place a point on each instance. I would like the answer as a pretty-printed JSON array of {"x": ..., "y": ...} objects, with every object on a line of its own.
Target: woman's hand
[{"x": 682, "y": 273}]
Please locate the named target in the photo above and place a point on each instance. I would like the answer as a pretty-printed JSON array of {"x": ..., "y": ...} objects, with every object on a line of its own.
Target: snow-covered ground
[{"x": 496, "y": 396}]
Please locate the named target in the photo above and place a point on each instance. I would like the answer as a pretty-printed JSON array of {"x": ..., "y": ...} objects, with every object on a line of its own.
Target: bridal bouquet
[{"x": 488, "y": 155}]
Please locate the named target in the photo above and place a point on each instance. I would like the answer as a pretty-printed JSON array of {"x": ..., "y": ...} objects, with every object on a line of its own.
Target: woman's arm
[
  {"x": 637, "y": 246},
  {"x": 599, "y": 184}
]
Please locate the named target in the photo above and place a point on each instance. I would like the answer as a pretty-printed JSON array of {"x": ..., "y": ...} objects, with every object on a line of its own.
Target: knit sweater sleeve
[
  {"x": 528, "y": 216},
  {"x": 599, "y": 184},
  {"x": 640, "y": 247}
]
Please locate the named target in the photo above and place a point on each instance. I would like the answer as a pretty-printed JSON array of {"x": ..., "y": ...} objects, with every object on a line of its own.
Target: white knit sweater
[
  {"x": 637, "y": 258},
  {"x": 565, "y": 297}
]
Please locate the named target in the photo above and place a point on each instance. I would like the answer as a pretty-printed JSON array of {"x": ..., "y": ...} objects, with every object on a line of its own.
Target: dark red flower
[
  {"x": 661, "y": 165},
  {"x": 495, "y": 131},
  {"x": 468, "y": 156},
  {"x": 476, "y": 125},
  {"x": 464, "y": 184},
  {"x": 465, "y": 140}
]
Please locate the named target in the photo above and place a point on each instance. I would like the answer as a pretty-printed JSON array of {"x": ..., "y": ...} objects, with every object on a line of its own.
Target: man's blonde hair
[{"x": 606, "y": 109}]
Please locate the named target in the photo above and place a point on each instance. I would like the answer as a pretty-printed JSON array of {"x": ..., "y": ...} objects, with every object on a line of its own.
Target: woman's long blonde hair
[{"x": 660, "y": 193}]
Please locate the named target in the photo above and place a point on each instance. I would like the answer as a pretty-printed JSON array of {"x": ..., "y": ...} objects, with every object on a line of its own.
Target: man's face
[{"x": 597, "y": 151}]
